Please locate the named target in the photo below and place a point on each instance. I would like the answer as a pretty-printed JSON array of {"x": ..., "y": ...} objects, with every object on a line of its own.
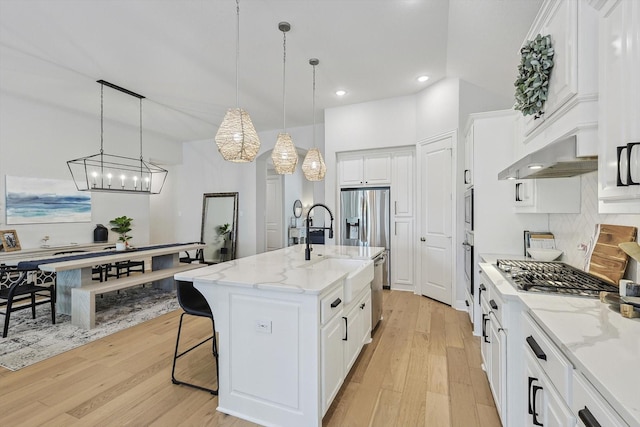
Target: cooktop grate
[{"x": 552, "y": 277}]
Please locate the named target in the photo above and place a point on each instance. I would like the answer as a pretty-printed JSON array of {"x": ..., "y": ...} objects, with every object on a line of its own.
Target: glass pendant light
[
  {"x": 237, "y": 139},
  {"x": 284, "y": 155},
  {"x": 313, "y": 165}
]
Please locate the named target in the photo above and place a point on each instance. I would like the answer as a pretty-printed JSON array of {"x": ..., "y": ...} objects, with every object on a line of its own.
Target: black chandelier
[{"x": 112, "y": 173}]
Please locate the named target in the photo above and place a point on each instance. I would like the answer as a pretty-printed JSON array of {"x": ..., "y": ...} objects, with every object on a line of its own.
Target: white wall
[
  {"x": 38, "y": 138},
  {"x": 377, "y": 124}
]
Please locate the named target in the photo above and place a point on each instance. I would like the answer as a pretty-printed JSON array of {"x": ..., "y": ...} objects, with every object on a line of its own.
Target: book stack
[{"x": 538, "y": 240}]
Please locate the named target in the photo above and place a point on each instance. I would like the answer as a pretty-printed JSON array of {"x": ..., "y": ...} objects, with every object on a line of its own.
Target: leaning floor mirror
[{"x": 219, "y": 226}]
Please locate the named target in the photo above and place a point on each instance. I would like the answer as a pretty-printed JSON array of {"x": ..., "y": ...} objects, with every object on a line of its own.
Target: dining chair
[
  {"x": 23, "y": 289},
  {"x": 194, "y": 303}
]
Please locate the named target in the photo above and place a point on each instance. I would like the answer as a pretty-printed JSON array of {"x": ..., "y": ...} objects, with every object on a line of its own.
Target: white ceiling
[{"x": 180, "y": 54}]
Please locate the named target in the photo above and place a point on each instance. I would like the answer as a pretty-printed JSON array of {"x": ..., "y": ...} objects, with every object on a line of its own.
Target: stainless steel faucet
[{"x": 307, "y": 251}]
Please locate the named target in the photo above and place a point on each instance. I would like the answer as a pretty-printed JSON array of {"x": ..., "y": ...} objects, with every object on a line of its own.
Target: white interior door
[
  {"x": 274, "y": 220},
  {"x": 435, "y": 219}
]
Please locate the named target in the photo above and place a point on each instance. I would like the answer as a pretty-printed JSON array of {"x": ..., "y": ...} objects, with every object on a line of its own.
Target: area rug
[{"x": 32, "y": 340}]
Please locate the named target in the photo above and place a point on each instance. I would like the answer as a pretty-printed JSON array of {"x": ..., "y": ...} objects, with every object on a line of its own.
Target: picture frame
[{"x": 10, "y": 241}]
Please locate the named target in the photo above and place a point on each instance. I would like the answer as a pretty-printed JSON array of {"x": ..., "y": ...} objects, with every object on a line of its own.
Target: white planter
[{"x": 121, "y": 246}]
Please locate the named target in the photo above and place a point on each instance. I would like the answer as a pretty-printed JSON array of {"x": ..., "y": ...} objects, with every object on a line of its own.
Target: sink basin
[{"x": 360, "y": 273}]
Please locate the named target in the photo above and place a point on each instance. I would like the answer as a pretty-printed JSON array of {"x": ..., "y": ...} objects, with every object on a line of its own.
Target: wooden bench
[{"x": 83, "y": 299}]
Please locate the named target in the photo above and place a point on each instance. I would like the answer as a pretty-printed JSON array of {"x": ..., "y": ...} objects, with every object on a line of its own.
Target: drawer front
[
  {"x": 496, "y": 305},
  {"x": 590, "y": 408},
  {"x": 331, "y": 304},
  {"x": 551, "y": 360}
]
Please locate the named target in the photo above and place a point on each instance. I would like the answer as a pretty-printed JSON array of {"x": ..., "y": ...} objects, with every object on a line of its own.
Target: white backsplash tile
[{"x": 572, "y": 230}]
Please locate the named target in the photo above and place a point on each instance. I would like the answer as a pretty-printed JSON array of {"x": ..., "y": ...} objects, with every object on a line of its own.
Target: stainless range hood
[{"x": 556, "y": 160}]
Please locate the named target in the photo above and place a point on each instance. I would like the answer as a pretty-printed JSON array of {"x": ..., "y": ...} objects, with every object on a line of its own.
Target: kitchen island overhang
[{"x": 273, "y": 316}]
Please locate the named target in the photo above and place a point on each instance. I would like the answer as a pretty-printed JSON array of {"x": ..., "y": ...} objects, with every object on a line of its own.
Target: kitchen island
[{"x": 289, "y": 330}]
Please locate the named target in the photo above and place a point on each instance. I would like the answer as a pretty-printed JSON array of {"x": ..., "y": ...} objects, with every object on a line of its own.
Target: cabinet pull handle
[
  {"x": 482, "y": 288},
  {"x": 466, "y": 174},
  {"x": 535, "y": 389},
  {"x": 346, "y": 329},
  {"x": 336, "y": 303},
  {"x": 466, "y": 302},
  {"x": 395, "y": 207},
  {"x": 587, "y": 418},
  {"x": 531, "y": 380},
  {"x": 493, "y": 304},
  {"x": 518, "y": 185},
  {"x": 485, "y": 317},
  {"x": 362, "y": 306},
  {"x": 536, "y": 348}
]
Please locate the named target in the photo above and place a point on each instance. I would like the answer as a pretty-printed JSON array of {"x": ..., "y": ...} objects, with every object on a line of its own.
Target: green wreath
[{"x": 532, "y": 84}]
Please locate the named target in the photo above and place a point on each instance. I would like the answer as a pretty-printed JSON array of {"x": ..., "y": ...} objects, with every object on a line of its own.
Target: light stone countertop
[
  {"x": 598, "y": 341},
  {"x": 281, "y": 270}
]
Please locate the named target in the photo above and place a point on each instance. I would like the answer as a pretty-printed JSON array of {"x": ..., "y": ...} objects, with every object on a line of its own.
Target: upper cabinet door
[
  {"x": 468, "y": 158},
  {"x": 561, "y": 22},
  {"x": 351, "y": 171},
  {"x": 377, "y": 169},
  {"x": 619, "y": 111},
  {"x": 402, "y": 184}
]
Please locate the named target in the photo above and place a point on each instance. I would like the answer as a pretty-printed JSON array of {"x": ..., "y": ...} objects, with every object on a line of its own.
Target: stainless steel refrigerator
[{"x": 365, "y": 222}]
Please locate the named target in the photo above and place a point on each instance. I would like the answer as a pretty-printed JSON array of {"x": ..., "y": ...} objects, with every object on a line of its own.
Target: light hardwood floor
[{"x": 422, "y": 369}]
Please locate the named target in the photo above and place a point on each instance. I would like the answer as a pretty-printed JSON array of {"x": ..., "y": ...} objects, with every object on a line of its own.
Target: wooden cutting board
[{"x": 608, "y": 261}]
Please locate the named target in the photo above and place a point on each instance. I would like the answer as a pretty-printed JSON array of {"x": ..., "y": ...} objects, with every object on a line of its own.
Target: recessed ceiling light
[
  {"x": 511, "y": 177},
  {"x": 341, "y": 92},
  {"x": 423, "y": 79},
  {"x": 535, "y": 166}
]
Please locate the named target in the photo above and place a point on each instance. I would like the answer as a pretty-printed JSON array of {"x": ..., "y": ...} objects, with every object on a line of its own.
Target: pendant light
[
  {"x": 237, "y": 139},
  {"x": 284, "y": 155},
  {"x": 313, "y": 166},
  {"x": 114, "y": 173}
]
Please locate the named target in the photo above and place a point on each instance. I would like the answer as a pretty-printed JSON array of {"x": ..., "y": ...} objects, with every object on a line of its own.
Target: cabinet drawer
[
  {"x": 496, "y": 305},
  {"x": 331, "y": 304},
  {"x": 551, "y": 360},
  {"x": 589, "y": 405}
]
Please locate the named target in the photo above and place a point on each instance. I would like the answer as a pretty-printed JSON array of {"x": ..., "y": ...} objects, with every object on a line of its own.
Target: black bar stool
[{"x": 194, "y": 304}]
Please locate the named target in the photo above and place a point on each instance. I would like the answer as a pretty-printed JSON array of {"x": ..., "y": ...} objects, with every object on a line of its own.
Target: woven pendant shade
[
  {"x": 237, "y": 139},
  {"x": 284, "y": 155},
  {"x": 313, "y": 166}
]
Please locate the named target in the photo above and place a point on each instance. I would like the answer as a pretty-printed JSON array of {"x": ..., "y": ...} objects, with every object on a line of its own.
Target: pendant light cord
[
  {"x": 237, "y": 50},
  {"x": 101, "y": 117},
  {"x": 140, "y": 129},
  {"x": 284, "y": 71},
  {"x": 313, "y": 108}
]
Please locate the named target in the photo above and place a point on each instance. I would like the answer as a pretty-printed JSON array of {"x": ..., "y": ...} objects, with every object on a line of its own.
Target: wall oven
[{"x": 468, "y": 209}]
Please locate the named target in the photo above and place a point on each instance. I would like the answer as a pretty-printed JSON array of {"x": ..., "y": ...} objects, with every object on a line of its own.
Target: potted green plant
[{"x": 122, "y": 225}]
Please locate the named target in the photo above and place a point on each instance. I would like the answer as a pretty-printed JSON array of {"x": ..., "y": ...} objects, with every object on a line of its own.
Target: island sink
[{"x": 360, "y": 273}]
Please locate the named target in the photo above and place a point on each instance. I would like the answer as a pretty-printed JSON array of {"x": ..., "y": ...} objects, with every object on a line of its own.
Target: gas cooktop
[{"x": 552, "y": 277}]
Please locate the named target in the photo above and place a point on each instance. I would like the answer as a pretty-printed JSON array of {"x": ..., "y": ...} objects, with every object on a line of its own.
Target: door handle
[{"x": 422, "y": 239}]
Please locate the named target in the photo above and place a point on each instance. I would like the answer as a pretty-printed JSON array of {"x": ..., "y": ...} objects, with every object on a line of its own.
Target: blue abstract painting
[{"x": 37, "y": 201}]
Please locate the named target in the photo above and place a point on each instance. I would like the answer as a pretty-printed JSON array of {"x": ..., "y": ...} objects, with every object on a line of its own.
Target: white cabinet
[
  {"x": 548, "y": 375},
  {"x": 358, "y": 329},
  {"x": 346, "y": 330},
  {"x": 402, "y": 252},
  {"x": 332, "y": 364},
  {"x": 590, "y": 408},
  {"x": 498, "y": 361},
  {"x": 365, "y": 169},
  {"x": 467, "y": 175},
  {"x": 402, "y": 183},
  {"x": 552, "y": 195},
  {"x": 573, "y": 84},
  {"x": 545, "y": 407},
  {"x": 619, "y": 102}
]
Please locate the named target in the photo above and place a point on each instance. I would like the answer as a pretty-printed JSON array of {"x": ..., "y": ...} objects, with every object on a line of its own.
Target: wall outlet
[{"x": 263, "y": 326}]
